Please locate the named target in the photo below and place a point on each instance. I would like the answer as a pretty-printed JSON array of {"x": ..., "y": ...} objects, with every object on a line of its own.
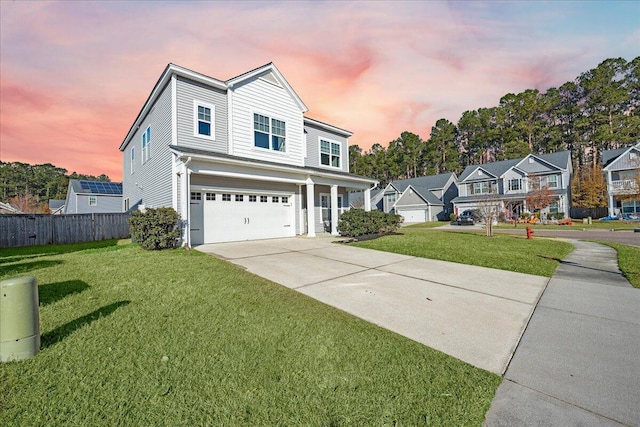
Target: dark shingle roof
[
  {"x": 609, "y": 156},
  {"x": 432, "y": 182},
  {"x": 559, "y": 159}
]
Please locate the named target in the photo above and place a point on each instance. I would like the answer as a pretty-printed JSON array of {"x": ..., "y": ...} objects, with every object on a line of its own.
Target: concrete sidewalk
[
  {"x": 578, "y": 362},
  {"x": 473, "y": 313}
]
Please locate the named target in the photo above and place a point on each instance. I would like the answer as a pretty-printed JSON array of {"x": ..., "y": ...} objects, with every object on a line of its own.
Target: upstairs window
[
  {"x": 133, "y": 158},
  {"x": 93, "y": 200},
  {"x": 552, "y": 181},
  {"x": 204, "y": 116},
  {"x": 269, "y": 133},
  {"x": 146, "y": 145},
  {"x": 329, "y": 153},
  {"x": 483, "y": 187},
  {"x": 515, "y": 184}
]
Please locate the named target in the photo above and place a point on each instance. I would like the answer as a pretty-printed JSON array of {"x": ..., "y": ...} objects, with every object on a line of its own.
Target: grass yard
[
  {"x": 537, "y": 256},
  {"x": 628, "y": 261},
  {"x": 578, "y": 225},
  {"x": 177, "y": 337},
  {"x": 432, "y": 224}
]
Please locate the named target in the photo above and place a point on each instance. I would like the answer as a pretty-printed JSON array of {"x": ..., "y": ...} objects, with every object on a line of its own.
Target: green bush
[
  {"x": 155, "y": 229},
  {"x": 558, "y": 215},
  {"x": 357, "y": 222},
  {"x": 453, "y": 217}
]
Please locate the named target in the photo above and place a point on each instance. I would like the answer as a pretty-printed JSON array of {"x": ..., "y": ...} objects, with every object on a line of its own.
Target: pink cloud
[{"x": 73, "y": 76}]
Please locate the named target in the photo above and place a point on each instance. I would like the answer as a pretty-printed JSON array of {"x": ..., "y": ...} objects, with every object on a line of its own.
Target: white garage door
[
  {"x": 233, "y": 216},
  {"x": 414, "y": 215}
]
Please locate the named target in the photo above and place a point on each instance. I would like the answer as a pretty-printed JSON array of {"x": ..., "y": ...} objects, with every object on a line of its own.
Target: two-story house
[
  {"x": 622, "y": 171},
  {"x": 237, "y": 159},
  {"x": 507, "y": 184},
  {"x": 420, "y": 199}
]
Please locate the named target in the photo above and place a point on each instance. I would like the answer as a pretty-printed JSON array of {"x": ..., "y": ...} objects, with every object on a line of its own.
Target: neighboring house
[
  {"x": 8, "y": 208},
  {"x": 622, "y": 169},
  {"x": 507, "y": 184},
  {"x": 421, "y": 199},
  {"x": 93, "y": 197},
  {"x": 237, "y": 159},
  {"x": 56, "y": 207},
  {"x": 356, "y": 199}
]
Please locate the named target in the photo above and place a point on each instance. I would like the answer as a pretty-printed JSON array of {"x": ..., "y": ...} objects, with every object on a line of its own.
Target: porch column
[
  {"x": 367, "y": 199},
  {"x": 610, "y": 191},
  {"x": 334, "y": 210},
  {"x": 311, "y": 214}
]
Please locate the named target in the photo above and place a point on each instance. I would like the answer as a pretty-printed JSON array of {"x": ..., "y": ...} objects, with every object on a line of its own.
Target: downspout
[{"x": 187, "y": 221}]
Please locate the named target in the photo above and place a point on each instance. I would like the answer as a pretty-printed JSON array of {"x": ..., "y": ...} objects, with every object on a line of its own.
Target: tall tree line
[
  {"x": 41, "y": 182},
  {"x": 595, "y": 112}
]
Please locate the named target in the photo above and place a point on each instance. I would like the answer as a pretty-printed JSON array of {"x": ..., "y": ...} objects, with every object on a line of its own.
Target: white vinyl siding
[
  {"x": 263, "y": 98},
  {"x": 151, "y": 185},
  {"x": 189, "y": 95}
]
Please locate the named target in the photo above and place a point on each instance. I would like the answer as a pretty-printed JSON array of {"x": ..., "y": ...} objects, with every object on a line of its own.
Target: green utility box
[{"x": 19, "y": 319}]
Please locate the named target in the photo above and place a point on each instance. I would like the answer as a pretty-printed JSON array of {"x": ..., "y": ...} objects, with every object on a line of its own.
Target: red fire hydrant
[{"x": 529, "y": 232}]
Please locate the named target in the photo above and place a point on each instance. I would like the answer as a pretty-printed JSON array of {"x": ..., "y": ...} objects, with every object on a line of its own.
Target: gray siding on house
[
  {"x": 187, "y": 92},
  {"x": 536, "y": 167},
  {"x": 150, "y": 183},
  {"x": 313, "y": 135},
  {"x": 104, "y": 203},
  {"x": 630, "y": 160},
  {"x": 410, "y": 198}
]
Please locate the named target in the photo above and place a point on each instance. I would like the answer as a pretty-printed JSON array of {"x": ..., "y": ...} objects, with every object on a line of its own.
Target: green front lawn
[
  {"x": 578, "y": 225},
  {"x": 177, "y": 337},
  {"x": 628, "y": 261},
  {"x": 432, "y": 224},
  {"x": 536, "y": 256}
]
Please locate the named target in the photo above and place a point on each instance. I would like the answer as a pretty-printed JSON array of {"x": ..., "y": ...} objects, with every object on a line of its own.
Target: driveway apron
[
  {"x": 577, "y": 362},
  {"x": 473, "y": 313}
]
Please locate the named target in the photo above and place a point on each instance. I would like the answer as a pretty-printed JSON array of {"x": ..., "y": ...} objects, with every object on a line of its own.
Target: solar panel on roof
[{"x": 99, "y": 187}]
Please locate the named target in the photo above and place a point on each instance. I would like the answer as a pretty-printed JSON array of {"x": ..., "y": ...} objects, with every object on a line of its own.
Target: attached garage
[
  {"x": 414, "y": 215},
  {"x": 227, "y": 216}
]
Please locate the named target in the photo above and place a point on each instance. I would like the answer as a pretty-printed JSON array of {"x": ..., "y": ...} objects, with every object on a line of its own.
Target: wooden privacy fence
[{"x": 29, "y": 230}]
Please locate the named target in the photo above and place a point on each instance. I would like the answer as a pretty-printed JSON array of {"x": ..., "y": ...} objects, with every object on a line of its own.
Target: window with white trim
[
  {"x": 211, "y": 196},
  {"x": 146, "y": 145},
  {"x": 253, "y": 198},
  {"x": 552, "y": 181},
  {"x": 226, "y": 197},
  {"x": 553, "y": 206},
  {"x": 275, "y": 199},
  {"x": 93, "y": 200},
  {"x": 285, "y": 199},
  {"x": 515, "y": 184},
  {"x": 480, "y": 188},
  {"x": 133, "y": 158},
  {"x": 269, "y": 133},
  {"x": 263, "y": 199},
  {"x": 204, "y": 115},
  {"x": 196, "y": 196},
  {"x": 329, "y": 153},
  {"x": 239, "y": 197}
]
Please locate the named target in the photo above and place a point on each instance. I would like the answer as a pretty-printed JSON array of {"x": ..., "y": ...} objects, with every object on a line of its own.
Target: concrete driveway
[{"x": 473, "y": 313}]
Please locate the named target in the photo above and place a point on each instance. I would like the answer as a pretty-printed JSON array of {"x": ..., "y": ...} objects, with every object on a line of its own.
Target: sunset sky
[{"x": 74, "y": 75}]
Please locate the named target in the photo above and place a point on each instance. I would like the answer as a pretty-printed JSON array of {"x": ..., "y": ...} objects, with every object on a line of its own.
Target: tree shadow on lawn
[
  {"x": 18, "y": 269},
  {"x": 52, "y": 292},
  {"x": 8, "y": 255},
  {"x": 62, "y": 332}
]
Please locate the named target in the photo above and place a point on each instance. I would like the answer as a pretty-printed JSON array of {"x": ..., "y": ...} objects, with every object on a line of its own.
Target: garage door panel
[
  {"x": 413, "y": 215},
  {"x": 245, "y": 216}
]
